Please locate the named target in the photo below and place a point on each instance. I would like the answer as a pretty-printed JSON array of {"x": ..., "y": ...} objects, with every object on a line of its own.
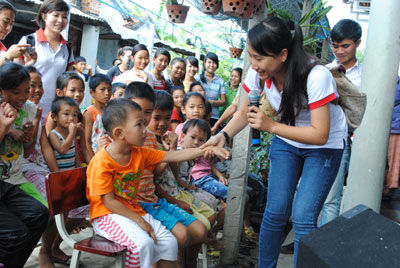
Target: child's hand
[
  {"x": 142, "y": 75},
  {"x": 38, "y": 115},
  {"x": 191, "y": 187},
  {"x": 79, "y": 127},
  {"x": 185, "y": 206},
  {"x": 103, "y": 141},
  {"x": 88, "y": 67},
  {"x": 170, "y": 141},
  {"x": 8, "y": 114},
  {"x": 223, "y": 180},
  {"x": 28, "y": 129},
  {"x": 147, "y": 228},
  {"x": 73, "y": 127},
  {"x": 214, "y": 129},
  {"x": 17, "y": 135},
  {"x": 212, "y": 151}
]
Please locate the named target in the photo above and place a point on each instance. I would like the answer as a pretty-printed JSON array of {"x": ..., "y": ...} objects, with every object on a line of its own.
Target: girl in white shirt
[
  {"x": 140, "y": 59},
  {"x": 309, "y": 134}
]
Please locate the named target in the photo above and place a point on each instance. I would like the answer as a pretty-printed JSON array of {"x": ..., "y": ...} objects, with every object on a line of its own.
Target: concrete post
[
  {"x": 90, "y": 42},
  {"x": 381, "y": 63},
  {"x": 233, "y": 223}
]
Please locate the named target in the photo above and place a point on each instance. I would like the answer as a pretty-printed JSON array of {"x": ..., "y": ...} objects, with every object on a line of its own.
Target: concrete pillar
[
  {"x": 233, "y": 223},
  {"x": 381, "y": 62},
  {"x": 89, "y": 46}
]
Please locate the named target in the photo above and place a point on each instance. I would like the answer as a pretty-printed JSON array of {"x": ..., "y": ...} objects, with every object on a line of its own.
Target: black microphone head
[{"x": 254, "y": 97}]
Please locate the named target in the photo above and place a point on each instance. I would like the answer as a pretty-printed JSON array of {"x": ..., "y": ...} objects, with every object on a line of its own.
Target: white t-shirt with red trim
[
  {"x": 50, "y": 64},
  {"x": 321, "y": 89},
  {"x": 3, "y": 50}
]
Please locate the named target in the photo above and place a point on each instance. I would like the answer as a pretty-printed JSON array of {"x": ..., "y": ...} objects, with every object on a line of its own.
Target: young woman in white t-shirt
[
  {"x": 140, "y": 58},
  {"x": 309, "y": 135}
]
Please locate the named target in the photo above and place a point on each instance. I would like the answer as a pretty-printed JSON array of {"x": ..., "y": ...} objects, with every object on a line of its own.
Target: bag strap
[{"x": 69, "y": 47}]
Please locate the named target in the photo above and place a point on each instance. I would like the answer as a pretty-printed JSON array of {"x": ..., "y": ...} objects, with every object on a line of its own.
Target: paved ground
[{"x": 94, "y": 261}]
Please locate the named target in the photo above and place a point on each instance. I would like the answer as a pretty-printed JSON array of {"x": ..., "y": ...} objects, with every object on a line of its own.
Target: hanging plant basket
[
  {"x": 233, "y": 7},
  {"x": 211, "y": 7},
  {"x": 235, "y": 52},
  {"x": 177, "y": 13},
  {"x": 250, "y": 8}
]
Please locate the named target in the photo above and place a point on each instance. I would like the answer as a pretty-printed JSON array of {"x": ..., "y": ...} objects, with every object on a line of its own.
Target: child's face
[
  {"x": 80, "y": 66},
  {"x": 147, "y": 107},
  {"x": 178, "y": 95},
  {"x": 125, "y": 58},
  {"x": 102, "y": 94},
  {"x": 194, "y": 137},
  {"x": 198, "y": 88},
  {"x": 160, "y": 63},
  {"x": 118, "y": 93},
  {"x": 235, "y": 78},
  {"x": 68, "y": 114},
  {"x": 210, "y": 66},
  {"x": 75, "y": 89},
  {"x": 178, "y": 70},
  {"x": 160, "y": 122},
  {"x": 141, "y": 60},
  {"x": 134, "y": 129},
  {"x": 18, "y": 96},
  {"x": 36, "y": 88},
  {"x": 194, "y": 108}
]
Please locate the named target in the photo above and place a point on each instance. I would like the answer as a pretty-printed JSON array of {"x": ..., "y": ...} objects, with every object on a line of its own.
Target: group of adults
[{"x": 310, "y": 147}]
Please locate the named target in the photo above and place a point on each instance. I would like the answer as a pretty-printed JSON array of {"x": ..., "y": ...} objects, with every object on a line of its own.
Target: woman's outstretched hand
[
  {"x": 218, "y": 141},
  {"x": 259, "y": 120}
]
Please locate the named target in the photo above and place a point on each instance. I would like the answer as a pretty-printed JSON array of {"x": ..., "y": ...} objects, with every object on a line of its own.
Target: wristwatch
[{"x": 6, "y": 59}]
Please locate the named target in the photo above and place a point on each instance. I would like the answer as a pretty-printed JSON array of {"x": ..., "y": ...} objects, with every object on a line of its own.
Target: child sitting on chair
[{"x": 113, "y": 176}]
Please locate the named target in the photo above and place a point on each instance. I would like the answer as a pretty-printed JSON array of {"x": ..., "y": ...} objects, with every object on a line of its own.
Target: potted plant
[
  {"x": 236, "y": 48},
  {"x": 177, "y": 12},
  {"x": 211, "y": 7}
]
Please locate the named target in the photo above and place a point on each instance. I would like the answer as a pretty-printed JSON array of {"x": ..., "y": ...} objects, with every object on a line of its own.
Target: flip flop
[{"x": 65, "y": 262}]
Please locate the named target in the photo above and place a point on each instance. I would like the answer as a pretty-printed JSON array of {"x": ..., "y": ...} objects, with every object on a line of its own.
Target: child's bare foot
[{"x": 45, "y": 260}]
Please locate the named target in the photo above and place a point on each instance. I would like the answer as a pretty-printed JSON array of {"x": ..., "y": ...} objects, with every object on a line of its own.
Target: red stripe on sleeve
[
  {"x": 322, "y": 102},
  {"x": 71, "y": 63},
  {"x": 246, "y": 88}
]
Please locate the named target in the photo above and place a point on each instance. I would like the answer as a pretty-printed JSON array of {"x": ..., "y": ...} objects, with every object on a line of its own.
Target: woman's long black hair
[{"x": 269, "y": 38}]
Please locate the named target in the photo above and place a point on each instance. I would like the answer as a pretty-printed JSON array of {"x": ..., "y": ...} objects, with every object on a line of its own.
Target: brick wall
[
  {"x": 91, "y": 7},
  {"x": 76, "y": 3}
]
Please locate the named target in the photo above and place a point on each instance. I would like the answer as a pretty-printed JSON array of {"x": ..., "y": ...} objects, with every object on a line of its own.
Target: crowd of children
[{"x": 140, "y": 138}]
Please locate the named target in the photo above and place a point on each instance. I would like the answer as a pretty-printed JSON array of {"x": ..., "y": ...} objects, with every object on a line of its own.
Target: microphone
[{"x": 254, "y": 99}]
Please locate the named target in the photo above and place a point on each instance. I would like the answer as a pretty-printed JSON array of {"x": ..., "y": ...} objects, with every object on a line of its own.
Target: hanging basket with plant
[
  {"x": 211, "y": 7},
  {"x": 233, "y": 7},
  {"x": 177, "y": 12}
]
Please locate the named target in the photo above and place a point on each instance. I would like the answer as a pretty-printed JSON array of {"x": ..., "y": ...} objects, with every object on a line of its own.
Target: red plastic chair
[{"x": 66, "y": 190}]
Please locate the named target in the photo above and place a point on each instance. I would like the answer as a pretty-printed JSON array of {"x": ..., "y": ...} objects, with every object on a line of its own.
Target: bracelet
[
  {"x": 227, "y": 138},
  {"x": 6, "y": 59}
]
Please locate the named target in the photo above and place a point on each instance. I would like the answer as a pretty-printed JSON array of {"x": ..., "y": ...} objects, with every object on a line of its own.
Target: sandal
[
  {"x": 213, "y": 252},
  {"x": 249, "y": 231}
]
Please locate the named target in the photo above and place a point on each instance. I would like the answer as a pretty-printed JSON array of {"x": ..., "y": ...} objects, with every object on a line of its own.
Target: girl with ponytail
[{"x": 309, "y": 137}]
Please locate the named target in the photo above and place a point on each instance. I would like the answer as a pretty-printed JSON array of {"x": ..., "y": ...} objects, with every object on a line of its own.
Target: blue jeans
[
  {"x": 317, "y": 169},
  {"x": 331, "y": 206},
  {"x": 211, "y": 184}
]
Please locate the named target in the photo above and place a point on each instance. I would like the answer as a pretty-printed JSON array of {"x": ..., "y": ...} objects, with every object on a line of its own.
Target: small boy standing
[
  {"x": 100, "y": 89},
  {"x": 113, "y": 176},
  {"x": 81, "y": 66}
]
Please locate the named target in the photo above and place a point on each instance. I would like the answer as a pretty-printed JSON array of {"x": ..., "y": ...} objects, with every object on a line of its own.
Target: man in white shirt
[{"x": 346, "y": 37}]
